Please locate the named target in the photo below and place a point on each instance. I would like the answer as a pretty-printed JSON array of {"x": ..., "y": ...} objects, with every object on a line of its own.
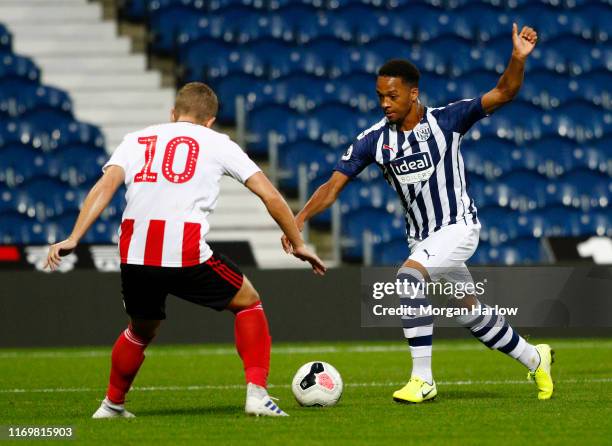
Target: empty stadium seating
[
  {"x": 48, "y": 160},
  {"x": 306, "y": 68}
]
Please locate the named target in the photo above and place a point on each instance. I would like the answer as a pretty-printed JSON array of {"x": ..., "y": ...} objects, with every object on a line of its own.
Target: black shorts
[{"x": 212, "y": 284}]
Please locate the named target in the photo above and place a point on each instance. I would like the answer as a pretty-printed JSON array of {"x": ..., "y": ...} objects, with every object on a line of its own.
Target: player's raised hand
[
  {"x": 304, "y": 254},
  {"x": 57, "y": 251},
  {"x": 524, "y": 42}
]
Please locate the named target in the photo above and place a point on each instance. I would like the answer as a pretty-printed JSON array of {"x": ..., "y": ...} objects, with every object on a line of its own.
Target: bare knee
[
  {"x": 416, "y": 265},
  {"x": 245, "y": 297},
  {"x": 144, "y": 328}
]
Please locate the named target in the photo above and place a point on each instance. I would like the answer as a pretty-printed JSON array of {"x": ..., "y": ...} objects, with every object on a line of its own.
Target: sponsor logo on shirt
[{"x": 413, "y": 168}]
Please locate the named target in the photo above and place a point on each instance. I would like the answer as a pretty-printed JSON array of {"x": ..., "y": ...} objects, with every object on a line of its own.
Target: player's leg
[
  {"x": 253, "y": 343},
  {"x": 494, "y": 331},
  {"x": 428, "y": 260},
  {"x": 418, "y": 330},
  {"x": 144, "y": 300},
  {"x": 219, "y": 284}
]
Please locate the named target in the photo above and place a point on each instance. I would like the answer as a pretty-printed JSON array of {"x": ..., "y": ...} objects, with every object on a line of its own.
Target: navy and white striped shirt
[{"x": 424, "y": 165}]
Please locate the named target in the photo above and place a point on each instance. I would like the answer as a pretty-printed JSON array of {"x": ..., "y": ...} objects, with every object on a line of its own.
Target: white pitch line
[
  {"x": 241, "y": 386},
  {"x": 230, "y": 351}
]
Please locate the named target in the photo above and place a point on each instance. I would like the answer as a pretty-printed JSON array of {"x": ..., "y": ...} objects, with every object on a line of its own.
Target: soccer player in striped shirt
[
  {"x": 172, "y": 173},
  {"x": 417, "y": 148}
]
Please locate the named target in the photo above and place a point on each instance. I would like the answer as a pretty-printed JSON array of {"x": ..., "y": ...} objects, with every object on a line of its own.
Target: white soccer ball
[{"x": 317, "y": 383}]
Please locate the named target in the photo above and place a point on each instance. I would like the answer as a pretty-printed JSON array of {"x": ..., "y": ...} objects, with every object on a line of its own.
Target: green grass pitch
[{"x": 195, "y": 395}]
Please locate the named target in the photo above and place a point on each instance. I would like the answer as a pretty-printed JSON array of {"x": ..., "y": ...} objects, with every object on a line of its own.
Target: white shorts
[{"x": 444, "y": 253}]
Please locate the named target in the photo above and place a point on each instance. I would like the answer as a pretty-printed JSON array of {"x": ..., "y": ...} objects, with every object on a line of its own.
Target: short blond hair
[{"x": 197, "y": 100}]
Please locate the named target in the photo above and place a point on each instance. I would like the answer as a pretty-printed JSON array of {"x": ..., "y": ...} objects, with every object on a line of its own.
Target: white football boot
[
  {"x": 111, "y": 410},
  {"x": 259, "y": 403}
]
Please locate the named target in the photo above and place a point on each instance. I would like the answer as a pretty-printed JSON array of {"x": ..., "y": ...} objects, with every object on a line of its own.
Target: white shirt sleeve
[
  {"x": 119, "y": 157},
  {"x": 237, "y": 164}
]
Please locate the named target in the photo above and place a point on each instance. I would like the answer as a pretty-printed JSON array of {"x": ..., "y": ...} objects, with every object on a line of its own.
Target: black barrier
[{"x": 84, "y": 307}]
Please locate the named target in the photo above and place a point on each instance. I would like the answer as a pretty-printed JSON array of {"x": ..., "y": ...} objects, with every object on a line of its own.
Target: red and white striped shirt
[{"x": 172, "y": 174}]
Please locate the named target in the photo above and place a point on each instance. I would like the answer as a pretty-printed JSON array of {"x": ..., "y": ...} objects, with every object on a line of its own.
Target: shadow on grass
[{"x": 211, "y": 410}]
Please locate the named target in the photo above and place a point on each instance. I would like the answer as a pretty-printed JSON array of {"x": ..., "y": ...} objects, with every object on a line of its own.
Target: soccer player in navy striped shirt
[{"x": 417, "y": 148}]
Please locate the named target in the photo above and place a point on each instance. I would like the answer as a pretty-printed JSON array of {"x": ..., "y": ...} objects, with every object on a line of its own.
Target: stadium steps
[{"x": 81, "y": 53}]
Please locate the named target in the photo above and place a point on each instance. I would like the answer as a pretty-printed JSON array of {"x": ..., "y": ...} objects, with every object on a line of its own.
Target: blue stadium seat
[
  {"x": 44, "y": 197},
  {"x": 523, "y": 190},
  {"x": 471, "y": 84},
  {"x": 78, "y": 165},
  {"x": 6, "y": 40},
  {"x": 489, "y": 158},
  {"x": 45, "y": 99},
  {"x": 333, "y": 53},
  {"x": 356, "y": 90},
  {"x": 218, "y": 6},
  {"x": 355, "y": 223},
  {"x": 441, "y": 46},
  {"x": 391, "y": 253},
  {"x": 133, "y": 10},
  {"x": 19, "y": 163},
  {"x": 547, "y": 89},
  {"x": 75, "y": 133},
  {"x": 196, "y": 56},
  {"x": 525, "y": 250},
  {"x": 582, "y": 189},
  {"x": 500, "y": 225},
  {"x": 595, "y": 87},
  {"x": 428, "y": 21},
  {"x": 486, "y": 21},
  {"x": 581, "y": 120},
  {"x": 592, "y": 158},
  {"x": 551, "y": 156},
  {"x": 7, "y": 200},
  {"x": 308, "y": 26},
  {"x": 234, "y": 62},
  {"x": 278, "y": 118},
  {"x": 103, "y": 232},
  {"x": 20, "y": 67},
  {"x": 597, "y": 222},
  {"x": 504, "y": 123},
  {"x": 482, "y": 191},
  {"x": 598, "y": 17},
  {"x": 388, "y": 47},
  {"x": 15, "y": 228},
  {"x": 303, "y": 92},
  {"x": 334, "y": 120},
  {"x": 315, "y": 156},
  {"x": 167, "y": 18},
  {"x": 231, "y": 87},
  {"x": 556, "y": 221},
  {"x": 367, "y": 194}
]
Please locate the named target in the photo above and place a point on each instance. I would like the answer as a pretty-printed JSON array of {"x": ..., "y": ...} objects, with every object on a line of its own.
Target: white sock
[
  {"x": 530, "y": 357},
  {"x": 256, "y": 391},
  {"x": 112, "y": 405},
  {"x": 421, "y": 367}
]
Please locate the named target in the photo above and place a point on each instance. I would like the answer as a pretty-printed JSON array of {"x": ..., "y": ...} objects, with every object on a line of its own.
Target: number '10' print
[{"x": 146, "y": 176}]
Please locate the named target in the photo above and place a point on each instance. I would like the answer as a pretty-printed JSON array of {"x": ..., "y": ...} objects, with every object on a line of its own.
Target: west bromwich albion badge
[{"x": 422, "y": 132}]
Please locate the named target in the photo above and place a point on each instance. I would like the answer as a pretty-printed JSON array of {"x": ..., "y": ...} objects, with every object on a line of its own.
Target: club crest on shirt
[{"x": 422, "y": 132}]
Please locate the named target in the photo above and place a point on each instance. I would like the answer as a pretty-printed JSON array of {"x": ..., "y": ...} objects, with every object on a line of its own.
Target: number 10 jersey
[{"x": 172, "y": 174}]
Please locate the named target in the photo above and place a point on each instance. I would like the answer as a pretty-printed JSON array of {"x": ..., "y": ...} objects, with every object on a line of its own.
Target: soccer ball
[{"x": 317, "y": 384}]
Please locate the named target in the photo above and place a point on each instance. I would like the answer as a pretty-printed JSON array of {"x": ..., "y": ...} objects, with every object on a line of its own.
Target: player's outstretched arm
[
  {"x": 96, "y": 201},
  {"x": 510, "y": 82},
  {"x": 323, "y": 198},
  {"x": 278, "y": 208}
]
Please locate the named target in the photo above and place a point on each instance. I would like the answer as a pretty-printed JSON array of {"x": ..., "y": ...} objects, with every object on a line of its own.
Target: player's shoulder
[
  {"x": 457, "y": 107},
  {"x": 370, "y": 136},
  {"x": 169, "y": 130}
]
